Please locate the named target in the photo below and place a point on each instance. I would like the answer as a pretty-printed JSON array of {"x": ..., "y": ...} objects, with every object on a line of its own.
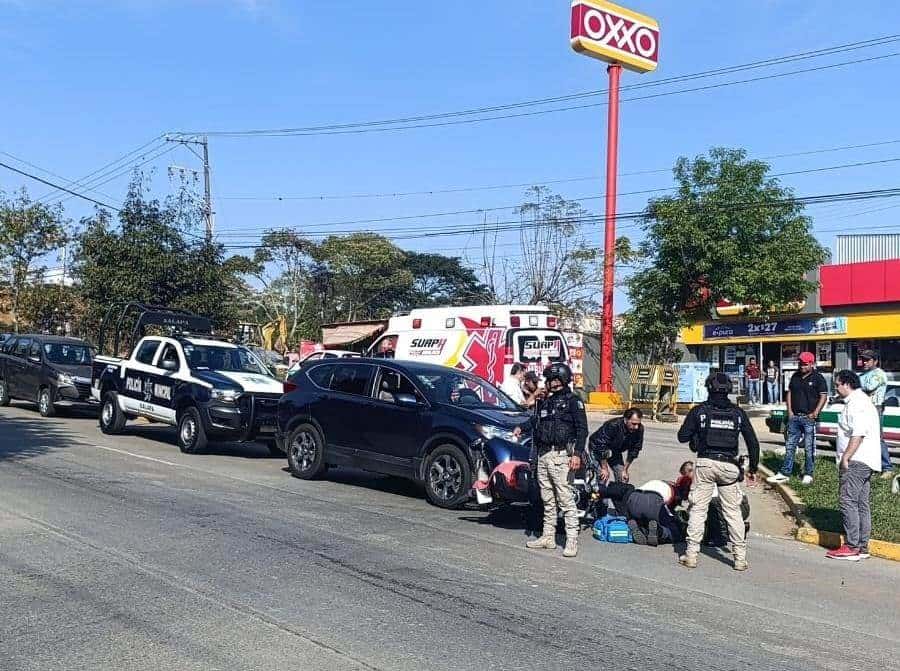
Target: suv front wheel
[
  {"x": 306, "y": 452},
  {"x": 448, "y": 477}
]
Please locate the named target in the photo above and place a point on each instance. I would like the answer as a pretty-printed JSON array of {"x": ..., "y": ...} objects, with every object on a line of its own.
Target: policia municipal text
[{"x": 712, "y": 430}]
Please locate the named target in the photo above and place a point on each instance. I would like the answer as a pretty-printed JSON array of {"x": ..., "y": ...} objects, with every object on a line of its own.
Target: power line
[
  {"x": 80, "y": 181},
  {"x": 544, "y": 182},
  {"x": 481, "y": 210},
  {"x": 634, "y": 216},
  {"x": 48, "y": 172},
  {"x": 60, "y": 188},
  {"x": 372, "y": 126}
]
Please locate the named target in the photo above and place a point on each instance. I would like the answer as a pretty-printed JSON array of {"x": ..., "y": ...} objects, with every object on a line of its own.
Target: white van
[{"x": 483, "y": 339}]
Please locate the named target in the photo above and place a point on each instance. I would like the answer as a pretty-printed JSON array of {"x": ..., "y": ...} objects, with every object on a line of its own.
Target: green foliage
[
  {"x": 49, "y": 308},
  {"x": 442, "y": 280},
  {"x": 363, "y": 275},
  {"x": 822, "y": 498},
  {"x": 729, "y": 232},
  {"x": 148, "y": 258},
  {"x": 28, "y": 231}
]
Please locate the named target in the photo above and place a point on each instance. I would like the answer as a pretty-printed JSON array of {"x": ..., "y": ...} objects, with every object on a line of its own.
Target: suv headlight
[
  {"x": 65, "y": 379},
  {"x": 489, "y": 431},
  {"x": 226, "y": 395}
]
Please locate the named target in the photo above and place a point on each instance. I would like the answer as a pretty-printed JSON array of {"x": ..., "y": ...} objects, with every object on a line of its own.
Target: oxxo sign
[{"x": 615, "y": 34}]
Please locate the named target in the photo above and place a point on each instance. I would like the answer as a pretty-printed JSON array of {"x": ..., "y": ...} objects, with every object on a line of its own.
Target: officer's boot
[
  {"x": 571, "y": 548},
  {"x": 543, "y": 543}
]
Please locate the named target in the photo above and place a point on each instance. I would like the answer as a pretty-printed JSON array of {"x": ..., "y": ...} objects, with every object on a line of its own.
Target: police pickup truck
[{"x": 207, "y": 388}]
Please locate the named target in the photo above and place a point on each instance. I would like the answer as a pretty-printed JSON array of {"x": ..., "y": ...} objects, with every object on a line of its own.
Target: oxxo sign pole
[{"x": 624, "y": 39}]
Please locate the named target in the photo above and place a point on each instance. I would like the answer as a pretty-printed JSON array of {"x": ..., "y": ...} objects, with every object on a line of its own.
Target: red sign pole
[{"x": 609, "y": 246}]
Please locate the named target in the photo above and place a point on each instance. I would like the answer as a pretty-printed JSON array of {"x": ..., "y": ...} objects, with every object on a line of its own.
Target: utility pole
[{"x": 203, "y": 142}]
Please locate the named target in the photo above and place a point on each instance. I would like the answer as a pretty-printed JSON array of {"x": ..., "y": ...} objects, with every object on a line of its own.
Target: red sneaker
[{"x": 844, "y": 552}]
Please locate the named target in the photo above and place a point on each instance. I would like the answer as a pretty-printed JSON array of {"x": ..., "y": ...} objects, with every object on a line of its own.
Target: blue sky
[{"x": 86, "y": 81}]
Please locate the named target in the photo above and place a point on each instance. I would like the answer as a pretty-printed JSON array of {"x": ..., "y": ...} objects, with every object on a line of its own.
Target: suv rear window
[
  {"x": 351, "y": 379},
  {"x": 321, "y": 375}
]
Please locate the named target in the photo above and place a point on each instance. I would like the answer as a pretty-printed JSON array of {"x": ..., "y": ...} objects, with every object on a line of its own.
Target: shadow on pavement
[
  {"x": 388, "y": 484},
  {"x": 161, "y": 433},
  {"x": 26, "y": 437}
]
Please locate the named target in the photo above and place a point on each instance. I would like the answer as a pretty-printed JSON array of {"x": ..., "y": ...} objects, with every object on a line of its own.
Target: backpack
[{"x": 611, "y": 529}]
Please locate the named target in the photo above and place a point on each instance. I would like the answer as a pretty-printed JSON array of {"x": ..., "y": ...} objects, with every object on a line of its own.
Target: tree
[
  {"x": 283, "y": 266},
  {"x": 442, "y": 280},
  {"x": 28, "y": 231},
  {"x": 729, "y": 232},
  {"x": 148, "y": 258},
  {"x": 556, "y": 265},
  {"x": 50, "y": 308},
  {"x": 360, "y": 276}
]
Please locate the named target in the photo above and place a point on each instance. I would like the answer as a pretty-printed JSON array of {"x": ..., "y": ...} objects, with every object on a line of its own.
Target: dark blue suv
[{"x": 421, "y": 421}]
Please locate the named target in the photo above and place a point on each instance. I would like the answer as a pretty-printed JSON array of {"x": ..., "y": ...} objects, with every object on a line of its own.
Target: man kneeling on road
[
  {"x": 559, "y": 426},
  {"x": 648, "y": 510},
  {"x": 712, "y": 429}
]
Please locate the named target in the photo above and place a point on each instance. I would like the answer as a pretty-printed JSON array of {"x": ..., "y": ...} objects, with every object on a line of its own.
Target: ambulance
[{"x": 482, "y": 339}]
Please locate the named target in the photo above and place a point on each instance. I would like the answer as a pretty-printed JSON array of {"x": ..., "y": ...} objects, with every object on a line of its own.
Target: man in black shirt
[
  {"x": 807, "y": 395},
  {"x": 617, "y": 443}
]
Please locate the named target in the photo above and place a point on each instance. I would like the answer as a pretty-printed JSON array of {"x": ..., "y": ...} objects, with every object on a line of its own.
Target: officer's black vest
[
  {"x": 557, "y": 428},
  {"x": 719, "y": 429}
]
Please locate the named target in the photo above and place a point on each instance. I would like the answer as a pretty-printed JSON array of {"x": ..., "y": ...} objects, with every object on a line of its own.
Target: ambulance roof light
[
  {"x": 485, "y": 321},
  {"x": 515, "y": 320},
  {"x": 417, "y": 323}
]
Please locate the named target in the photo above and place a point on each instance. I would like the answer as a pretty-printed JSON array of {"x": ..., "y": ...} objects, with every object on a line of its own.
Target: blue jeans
[
  {"x": 774, "y": 396},
  {"x": 800, "y": 425},
  {"x": 753, "y": 391},
  {"x": 886, "y": 464}
]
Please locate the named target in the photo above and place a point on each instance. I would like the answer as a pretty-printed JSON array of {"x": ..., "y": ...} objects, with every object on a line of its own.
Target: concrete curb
[{"x": 807, "y": 533}]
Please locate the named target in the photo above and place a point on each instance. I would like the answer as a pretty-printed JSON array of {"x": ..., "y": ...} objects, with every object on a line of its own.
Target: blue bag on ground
[{"x": 611, "y": 529}]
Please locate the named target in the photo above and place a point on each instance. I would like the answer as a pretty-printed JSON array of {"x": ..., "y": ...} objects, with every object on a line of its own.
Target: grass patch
[{"x": 821, "y": 498}]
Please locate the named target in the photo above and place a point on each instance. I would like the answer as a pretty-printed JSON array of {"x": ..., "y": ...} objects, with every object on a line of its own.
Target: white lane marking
[{"x": 140, "y": 456}]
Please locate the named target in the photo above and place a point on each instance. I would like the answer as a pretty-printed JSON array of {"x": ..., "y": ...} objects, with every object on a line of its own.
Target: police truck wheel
[
  {"x": 448, "y": 477},
  {"x": 4, "y": 394},
  {"x": 306, "y": 452},
  {"x": 45, "y": 403},
  {"x": 191, "y": 433},
  {"x": 112, "y": 419}
]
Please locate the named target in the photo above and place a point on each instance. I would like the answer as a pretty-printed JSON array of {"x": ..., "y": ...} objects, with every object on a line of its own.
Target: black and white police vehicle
[{"x": 208, "y": 388}]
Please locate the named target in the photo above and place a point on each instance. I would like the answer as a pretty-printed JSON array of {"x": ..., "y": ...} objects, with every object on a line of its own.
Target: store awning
[{"x": 340, "y": 335}]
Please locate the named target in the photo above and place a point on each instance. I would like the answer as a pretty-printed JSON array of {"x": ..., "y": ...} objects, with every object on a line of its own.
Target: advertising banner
[{"x": 802, "y": 327}]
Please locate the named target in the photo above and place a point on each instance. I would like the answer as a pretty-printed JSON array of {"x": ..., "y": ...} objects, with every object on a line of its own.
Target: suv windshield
[
  {"x": 65, "y": 354},
  {"x": 215, "y": 357},
  {"x": 466, "y": 391}
]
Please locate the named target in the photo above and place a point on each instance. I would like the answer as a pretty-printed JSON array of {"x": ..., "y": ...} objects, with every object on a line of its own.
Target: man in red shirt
[{"x": 752, "y": 374}]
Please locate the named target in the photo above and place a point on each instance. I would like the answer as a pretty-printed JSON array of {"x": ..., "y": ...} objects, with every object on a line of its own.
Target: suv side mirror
[
  {"x": 892, "y": 402},
  {"x": 407, "y": 400},
  {"x": 169, "y": 365}
]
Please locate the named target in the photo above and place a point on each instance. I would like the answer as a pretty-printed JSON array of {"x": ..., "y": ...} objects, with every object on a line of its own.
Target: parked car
[
  {"x": 207, "y": 388},
  {"x": 51, "y": 371},
  {"x": 322, "y": 354},
  {"x": 826, "y": 427},
  {"x": 425, "y": 422}
]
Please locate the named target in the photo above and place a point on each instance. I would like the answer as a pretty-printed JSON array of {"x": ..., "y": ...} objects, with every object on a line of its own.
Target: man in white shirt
[
  {"x": 859, "y": 457},
  {"x": 512, "y": 385}
]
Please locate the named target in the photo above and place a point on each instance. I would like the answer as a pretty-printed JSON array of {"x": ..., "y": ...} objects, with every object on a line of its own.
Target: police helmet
[
  {"x": 558, "y": 371},
  {"x": 718, "y": 383}
]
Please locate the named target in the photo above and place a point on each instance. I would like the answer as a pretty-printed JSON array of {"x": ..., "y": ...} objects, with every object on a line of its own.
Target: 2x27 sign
[{"x": 615, "y": 34}]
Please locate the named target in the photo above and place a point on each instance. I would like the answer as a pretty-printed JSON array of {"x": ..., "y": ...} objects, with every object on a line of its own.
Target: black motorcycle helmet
[
  {"x": 718, "y": 383},
  {"x": 558, "y": 371}
]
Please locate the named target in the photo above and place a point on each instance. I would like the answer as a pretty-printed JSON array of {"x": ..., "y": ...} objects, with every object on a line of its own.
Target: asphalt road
[{"x": 123, "y": 553}]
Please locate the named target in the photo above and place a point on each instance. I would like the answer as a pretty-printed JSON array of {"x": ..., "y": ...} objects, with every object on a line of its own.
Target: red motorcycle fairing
[{"x": 509, "y": 482}]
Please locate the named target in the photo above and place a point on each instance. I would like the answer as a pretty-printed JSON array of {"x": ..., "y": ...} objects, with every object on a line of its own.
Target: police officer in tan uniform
[
  {"x": 712, "y": 429},
  {"x": 559, "y": 429}
]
